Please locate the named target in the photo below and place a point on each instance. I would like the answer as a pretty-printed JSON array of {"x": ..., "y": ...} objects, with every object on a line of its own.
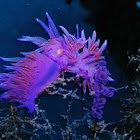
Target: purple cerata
[{"x": 28, "y": 76}]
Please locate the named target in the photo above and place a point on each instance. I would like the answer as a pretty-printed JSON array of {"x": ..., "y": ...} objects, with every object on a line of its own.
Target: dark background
[{"x": 116, "y": 21}]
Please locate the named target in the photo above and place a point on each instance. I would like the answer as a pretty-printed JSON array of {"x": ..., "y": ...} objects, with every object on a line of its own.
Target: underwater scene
[{"x": 69, "y": 70}]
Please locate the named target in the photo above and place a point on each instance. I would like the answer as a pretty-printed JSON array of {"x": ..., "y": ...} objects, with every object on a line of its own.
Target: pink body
[{"x": 42, "y": 67}]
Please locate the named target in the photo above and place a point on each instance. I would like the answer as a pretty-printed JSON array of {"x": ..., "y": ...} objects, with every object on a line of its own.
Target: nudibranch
[{"x": 30, "y": 75}]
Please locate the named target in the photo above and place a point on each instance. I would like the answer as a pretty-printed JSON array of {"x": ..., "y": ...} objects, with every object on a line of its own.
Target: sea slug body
[{"x": 37, "y": 69}]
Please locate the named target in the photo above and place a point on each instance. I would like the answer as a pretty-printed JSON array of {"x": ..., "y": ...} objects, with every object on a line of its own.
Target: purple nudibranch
[{"x": 31, "y": 74}]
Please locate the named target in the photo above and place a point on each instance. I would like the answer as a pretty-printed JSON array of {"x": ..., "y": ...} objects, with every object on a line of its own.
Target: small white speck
[{"x": 27, "y": 4}]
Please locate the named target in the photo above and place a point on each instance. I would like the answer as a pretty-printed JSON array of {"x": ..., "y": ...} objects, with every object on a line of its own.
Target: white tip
[
  {"x": 110, "y": 79},
  {"x": 46, "y": 13}
]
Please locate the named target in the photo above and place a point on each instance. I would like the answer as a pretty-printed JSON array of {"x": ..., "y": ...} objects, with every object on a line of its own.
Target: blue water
[{"x": 17, "y": 18}]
